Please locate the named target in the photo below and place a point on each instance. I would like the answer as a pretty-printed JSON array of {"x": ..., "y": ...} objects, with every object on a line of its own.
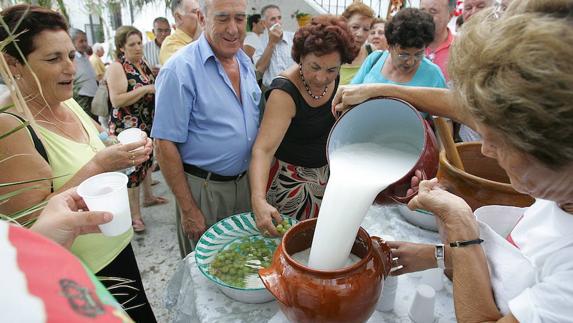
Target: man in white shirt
[
  {"x": 161, "y": 30},
  {"x": 253, "y": 39},
  {"x": 85, "y": 86},
  {"x": 274, "y": 55}
]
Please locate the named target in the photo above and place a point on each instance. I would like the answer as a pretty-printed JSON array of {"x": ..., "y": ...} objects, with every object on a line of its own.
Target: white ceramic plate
[
  {"x": 423, "y": 219},
  {"x": 222, "y": 234}
]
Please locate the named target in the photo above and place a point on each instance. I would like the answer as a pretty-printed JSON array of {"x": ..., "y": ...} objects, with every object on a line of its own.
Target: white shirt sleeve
[
  {"x": 263, "y": 41},
  {"x": 252, "y": 40},
  {"x": 551, "y": 298}
]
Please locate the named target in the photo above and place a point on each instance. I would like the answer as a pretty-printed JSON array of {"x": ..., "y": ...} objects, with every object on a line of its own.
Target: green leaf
[
  {"x": 28, "y": 181},
  {"x": 6, "y": 107},
  {"x": 10, "y": 132},
  {"x": 28, "y": 211},
  {"x": 9, "y": 195}
]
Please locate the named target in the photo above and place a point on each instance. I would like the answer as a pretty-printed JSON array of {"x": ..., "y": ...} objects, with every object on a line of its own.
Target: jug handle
[
  {"x": 384, "y": 252},
  {"x": 408, "y": 197},
  {"x": 274, "y": 284}
]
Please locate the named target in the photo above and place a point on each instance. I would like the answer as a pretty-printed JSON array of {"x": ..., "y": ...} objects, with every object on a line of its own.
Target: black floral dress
[{"x": 139, "y": 114}]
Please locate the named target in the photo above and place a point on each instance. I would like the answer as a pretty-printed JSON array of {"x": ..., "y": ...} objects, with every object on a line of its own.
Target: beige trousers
[{"x": 216, "y": 200}]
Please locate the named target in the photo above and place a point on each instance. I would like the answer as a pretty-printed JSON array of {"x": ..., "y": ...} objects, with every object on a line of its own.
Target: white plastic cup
[
  {"x": 108, "y": 192},
  {"x": 422, "y": 308},
  {"x": 388, "y": 297},
  {"x": 433, "y": 278},
  {"x": 129, "y": 136}
]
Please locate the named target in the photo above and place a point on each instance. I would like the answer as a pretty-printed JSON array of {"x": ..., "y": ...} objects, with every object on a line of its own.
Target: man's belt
[{"x": 196, "y": 171}]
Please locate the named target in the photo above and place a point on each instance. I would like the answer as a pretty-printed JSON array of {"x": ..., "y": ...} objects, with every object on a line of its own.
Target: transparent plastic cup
[
  {"x": 422, "y": 308},
  {"x": 108, "y": 192}
]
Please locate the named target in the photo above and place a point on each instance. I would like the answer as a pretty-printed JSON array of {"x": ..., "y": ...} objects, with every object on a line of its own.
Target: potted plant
[{"x": 301, "y": 17}]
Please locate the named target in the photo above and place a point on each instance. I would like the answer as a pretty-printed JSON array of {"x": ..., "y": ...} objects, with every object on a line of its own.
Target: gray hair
[
  {"x": 75, "y": 32},
  {"x": 267, "y": 7},
  {"x": 204, "y": 4},
  {"x": 96, "y": 47}
]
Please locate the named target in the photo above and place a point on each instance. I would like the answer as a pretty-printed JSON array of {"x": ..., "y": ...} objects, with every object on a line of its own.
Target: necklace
[
  {"x": 307, "y": 87},
  {"x": 65, "y": 133}
]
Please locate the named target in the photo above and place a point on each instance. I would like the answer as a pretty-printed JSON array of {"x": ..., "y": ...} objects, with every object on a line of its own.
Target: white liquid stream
[
  {"x": 358, "y": 173},
  {"x": 302, "y": 258}
]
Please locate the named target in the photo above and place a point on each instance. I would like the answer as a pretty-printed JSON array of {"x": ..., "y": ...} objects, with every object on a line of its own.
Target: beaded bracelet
[{"x": 465, "y": 243}]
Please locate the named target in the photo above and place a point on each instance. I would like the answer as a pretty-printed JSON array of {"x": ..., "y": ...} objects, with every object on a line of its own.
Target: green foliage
[{"x": 299, "y": 14}]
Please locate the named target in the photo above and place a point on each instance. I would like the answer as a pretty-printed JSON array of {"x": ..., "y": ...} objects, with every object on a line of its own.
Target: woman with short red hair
[{"x": 289, "y": 170}]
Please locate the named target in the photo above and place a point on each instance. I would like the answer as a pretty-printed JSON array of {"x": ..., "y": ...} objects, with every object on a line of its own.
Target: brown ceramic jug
[
  {"x": 346, "y": 295},
  {"x": 380, "y": 120},
  {"x": 483, "y": 182}
]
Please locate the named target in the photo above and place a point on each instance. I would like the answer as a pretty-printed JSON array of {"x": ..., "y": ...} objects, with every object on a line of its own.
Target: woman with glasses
[{"x": 408, "y": 33}]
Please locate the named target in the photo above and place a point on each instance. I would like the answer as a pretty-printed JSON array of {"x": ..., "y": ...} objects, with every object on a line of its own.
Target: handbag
[{"x": 100, "y": 102}]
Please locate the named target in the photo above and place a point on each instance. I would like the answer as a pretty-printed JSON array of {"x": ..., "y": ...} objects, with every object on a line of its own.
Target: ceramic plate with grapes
[{"x": 230, "y": 253}]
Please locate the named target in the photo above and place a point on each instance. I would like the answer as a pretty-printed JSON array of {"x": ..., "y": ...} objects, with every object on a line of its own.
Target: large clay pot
[
  {"x": 345, "y": 295},
  {"x": 379, "y": 120},
  {"x": 483, "y": 182}
]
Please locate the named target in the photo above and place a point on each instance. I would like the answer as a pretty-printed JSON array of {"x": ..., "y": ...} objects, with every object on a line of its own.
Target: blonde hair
[
  {"x": 358, "y": 8},
  {"x": 514, "y": 74}
]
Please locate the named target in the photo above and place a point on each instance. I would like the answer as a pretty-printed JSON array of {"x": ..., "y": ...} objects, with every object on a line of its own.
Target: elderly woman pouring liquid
[{"x": 521, "y": 105}]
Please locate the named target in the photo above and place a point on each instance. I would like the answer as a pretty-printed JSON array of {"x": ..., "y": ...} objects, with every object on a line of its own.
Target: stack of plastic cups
[
  {"x": 388, "y": 297},
  {"x": 422, "y": 308},
  {"x": 433, "y": 278}
]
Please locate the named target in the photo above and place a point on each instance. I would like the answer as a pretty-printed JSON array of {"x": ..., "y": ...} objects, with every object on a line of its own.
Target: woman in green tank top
[
  {"x": 360, "y": 18},
  {"x": 63, "y": 142}
]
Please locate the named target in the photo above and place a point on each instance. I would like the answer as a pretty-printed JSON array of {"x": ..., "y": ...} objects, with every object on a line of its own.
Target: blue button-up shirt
[{"x": 196, "y": 107}]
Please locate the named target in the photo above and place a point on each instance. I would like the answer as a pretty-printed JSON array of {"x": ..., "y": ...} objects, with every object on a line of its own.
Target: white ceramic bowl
[
  {"x": 423, "y": 219},
  {"x": 219, "y": 236}
]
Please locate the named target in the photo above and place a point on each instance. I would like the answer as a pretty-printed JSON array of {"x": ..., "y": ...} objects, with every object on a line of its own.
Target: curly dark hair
[
  {"x": 410, "y": 28},
  {"x": 31, "y": 19},
  {"x": 325, "y": 34}
]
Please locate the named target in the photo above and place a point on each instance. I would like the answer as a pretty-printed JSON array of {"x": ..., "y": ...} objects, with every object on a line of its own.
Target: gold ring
[
  {"x": 266, "y": 232},
  {"x": 132, "y": 156},
  {"x": 395, "y": 262},
  {"x": 132, "y": 162}
]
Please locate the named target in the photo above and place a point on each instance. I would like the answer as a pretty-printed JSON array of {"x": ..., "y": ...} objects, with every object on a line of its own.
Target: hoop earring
[{"x": 18, "y": 77}]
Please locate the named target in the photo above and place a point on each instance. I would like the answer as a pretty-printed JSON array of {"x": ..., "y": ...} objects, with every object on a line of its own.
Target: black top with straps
[
  {"x": 304, "y": 143},
  {"x": 37, "y": 143}
]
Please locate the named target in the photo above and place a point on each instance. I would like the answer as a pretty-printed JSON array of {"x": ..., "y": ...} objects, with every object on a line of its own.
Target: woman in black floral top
[{"x": 132, "y": 94}]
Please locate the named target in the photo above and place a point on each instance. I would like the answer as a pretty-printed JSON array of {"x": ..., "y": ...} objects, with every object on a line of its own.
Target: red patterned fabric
[{"x": 296, "y": 191}]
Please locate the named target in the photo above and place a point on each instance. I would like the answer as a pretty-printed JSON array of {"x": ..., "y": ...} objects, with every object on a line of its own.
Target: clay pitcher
[
  {"x": 483, "y": 182},
  {"x": 346, "y": 295},
  {"x": 381, "y": 120}
]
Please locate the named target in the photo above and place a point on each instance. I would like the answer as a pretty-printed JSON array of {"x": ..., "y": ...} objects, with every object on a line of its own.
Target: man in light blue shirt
[{"x": 206, "y": 121}]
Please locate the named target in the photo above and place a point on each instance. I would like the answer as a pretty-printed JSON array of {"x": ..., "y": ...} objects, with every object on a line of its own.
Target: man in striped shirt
[{"x": 161, "y": 30}]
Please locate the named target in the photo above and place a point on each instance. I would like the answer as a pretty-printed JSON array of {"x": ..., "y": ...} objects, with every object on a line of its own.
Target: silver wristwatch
[{"x": 439, "y": 253}]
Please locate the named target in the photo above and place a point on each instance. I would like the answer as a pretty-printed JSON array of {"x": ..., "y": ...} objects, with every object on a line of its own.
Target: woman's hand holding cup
[{"x": 124, "y": 155}]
